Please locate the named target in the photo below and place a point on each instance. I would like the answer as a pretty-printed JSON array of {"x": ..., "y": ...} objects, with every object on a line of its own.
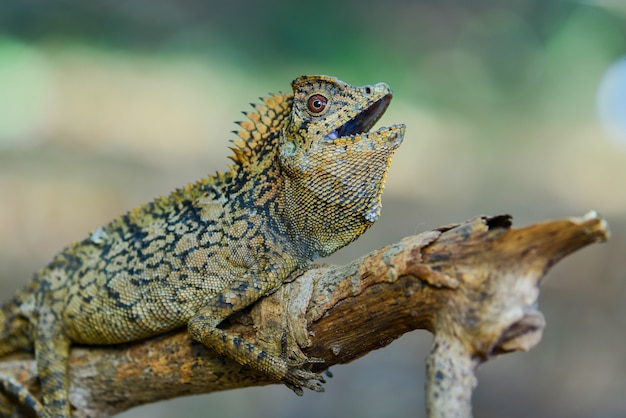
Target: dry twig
[{"x": 473, "y": 285}]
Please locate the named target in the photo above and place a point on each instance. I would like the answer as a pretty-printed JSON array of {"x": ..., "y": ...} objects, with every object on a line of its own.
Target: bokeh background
[{"x": 511, "y": 107}]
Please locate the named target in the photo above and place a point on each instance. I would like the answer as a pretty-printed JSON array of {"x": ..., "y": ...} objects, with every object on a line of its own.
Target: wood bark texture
[{"x": 474, "y": 285}]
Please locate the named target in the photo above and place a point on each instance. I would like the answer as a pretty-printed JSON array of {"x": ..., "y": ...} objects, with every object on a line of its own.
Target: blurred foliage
[{"x": 471, "y": 56}]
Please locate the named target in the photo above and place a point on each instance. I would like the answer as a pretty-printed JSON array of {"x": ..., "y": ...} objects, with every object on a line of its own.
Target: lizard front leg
[{"x": 203, "y": 328}]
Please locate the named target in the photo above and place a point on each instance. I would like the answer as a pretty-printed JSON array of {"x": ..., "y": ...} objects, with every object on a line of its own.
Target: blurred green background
[{"x": 511, "y": 107}]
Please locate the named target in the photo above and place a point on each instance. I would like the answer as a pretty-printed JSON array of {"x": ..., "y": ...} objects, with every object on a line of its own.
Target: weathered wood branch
[{"x": 474, "y": 285}]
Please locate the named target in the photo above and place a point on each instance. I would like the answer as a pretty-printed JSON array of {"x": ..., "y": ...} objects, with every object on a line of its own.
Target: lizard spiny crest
[{"x": 263, "y": 124}]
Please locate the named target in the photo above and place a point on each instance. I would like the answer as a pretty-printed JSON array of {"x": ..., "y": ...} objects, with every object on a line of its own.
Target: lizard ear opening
[{"x": 289, "y": 148}]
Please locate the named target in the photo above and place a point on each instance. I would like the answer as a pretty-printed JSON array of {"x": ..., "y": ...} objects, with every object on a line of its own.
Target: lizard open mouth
[{"x": 363, "y": 121}]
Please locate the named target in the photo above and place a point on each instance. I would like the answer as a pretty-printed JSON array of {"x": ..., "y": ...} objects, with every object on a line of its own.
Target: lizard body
[{"x": 307, "y": 179}]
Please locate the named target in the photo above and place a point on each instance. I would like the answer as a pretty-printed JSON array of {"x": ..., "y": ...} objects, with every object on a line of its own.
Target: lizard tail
[
  {"x": 14, "y": 389},
  {"x": 14, "y": 328}
]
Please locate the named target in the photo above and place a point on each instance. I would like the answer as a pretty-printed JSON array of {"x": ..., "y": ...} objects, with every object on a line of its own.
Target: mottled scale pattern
[{"x": 306, "y": 179}]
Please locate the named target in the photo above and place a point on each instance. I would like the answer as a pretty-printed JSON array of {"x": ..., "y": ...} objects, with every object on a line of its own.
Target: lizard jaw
[{"x": 363, "y": 121}]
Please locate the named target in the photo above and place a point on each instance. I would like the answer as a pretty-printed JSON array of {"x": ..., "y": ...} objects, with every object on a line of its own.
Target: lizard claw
[
  {"x": 297, "y": 378},
  {"x": 313, "y": 360}
]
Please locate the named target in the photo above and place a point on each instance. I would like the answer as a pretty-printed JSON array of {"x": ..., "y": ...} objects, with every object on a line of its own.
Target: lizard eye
[{"x": 317, "y": 103}]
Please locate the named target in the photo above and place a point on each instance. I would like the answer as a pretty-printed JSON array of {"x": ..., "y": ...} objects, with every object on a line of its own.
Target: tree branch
[{"x": 474, "y": 285}]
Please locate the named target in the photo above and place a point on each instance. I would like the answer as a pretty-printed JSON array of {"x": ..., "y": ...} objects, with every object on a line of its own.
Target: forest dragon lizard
[{"x": 307, "y": 179}]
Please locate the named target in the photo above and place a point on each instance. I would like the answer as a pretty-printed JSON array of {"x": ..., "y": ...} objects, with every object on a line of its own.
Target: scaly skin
[{"x": 307, "y": 180}]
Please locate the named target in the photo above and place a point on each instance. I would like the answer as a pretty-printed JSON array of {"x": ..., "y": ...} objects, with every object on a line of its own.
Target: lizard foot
[{"x": 297, "y": 378}]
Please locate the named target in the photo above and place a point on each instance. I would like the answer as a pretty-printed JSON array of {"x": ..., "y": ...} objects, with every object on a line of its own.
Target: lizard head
[{"x": 335, "y": 168}]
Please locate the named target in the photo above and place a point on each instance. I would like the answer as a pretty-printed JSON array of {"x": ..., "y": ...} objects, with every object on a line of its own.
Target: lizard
[{"x": 306, "y": 179}]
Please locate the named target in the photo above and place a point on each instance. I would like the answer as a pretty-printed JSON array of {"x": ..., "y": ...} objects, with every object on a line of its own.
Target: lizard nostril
[{"x": 368, "y": 90}]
